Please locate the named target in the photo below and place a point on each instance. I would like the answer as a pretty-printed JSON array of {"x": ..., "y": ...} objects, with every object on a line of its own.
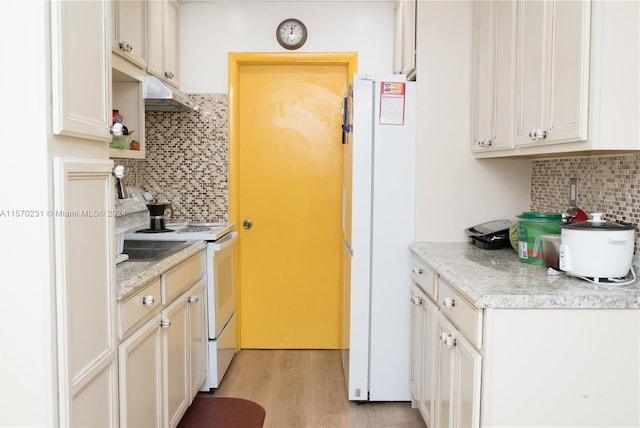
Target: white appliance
[
  {"x": 378, "y": 225},
  {"x": 220, "y": 289}
]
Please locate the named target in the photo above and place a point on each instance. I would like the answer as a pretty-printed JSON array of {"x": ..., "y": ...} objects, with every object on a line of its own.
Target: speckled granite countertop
[
  {"x": 498, "y": 279},
  {"x": 133, "y": 274}
]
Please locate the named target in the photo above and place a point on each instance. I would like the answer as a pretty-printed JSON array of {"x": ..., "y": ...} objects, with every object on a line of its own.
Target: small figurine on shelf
[
  {"x": 119, "y": 132},
  {"x": 115, "y": 114},
  {"x": 118, "y": 128}
]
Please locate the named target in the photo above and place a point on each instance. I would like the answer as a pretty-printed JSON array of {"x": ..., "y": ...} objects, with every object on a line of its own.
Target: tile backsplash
[
  {"x": 186, "y": 160},
  {"x": 607, "y": 184}
]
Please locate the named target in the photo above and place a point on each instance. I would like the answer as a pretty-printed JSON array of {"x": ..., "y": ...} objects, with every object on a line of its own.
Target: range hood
[{"x": 158, "y": 96}]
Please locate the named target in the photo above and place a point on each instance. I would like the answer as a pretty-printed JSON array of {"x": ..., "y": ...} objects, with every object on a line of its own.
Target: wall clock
[{"x": 291, "y": 33}]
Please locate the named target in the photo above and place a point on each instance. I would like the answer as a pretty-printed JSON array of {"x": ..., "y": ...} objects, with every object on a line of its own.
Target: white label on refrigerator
[{"x": 392, "y": 95}]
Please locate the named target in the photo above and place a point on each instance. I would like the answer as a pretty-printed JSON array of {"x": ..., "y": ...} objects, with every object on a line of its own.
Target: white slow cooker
[{"x": 597, "y": 250}]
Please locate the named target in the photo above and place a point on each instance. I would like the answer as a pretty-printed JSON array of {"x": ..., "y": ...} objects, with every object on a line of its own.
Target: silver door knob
[
  {"x": 537, "y": 134},
  {"x": 449, "y": 340},
  {"x": 247, "y": 224},
  {"x": 448, "y": 302},
  {"x": 148, "y": 300}
]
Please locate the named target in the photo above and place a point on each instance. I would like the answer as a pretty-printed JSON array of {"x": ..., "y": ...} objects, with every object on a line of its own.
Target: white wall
[
  {"x": 210, "y": 30},
  {"x": 453, "y": 189},
  {"x": 27, "y": 328}
]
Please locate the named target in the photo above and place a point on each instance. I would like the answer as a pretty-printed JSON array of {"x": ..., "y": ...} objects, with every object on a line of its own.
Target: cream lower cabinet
[
  {"x": 163, "y": 351},
  {"x": 198, "y": 337},
  {"x": 521, "y": 367},
  {"x": 85, "y": 292},
  {"x": 175, "y": 322},
  {"x": 184, "y": 341},
  {"x": 417, "y": 343},
  {"x": 458, "y": 378},
  {"x": 423, "y": 319},
  {"x": 140, "y": 358},
  {"x": 561, "y": 367}
]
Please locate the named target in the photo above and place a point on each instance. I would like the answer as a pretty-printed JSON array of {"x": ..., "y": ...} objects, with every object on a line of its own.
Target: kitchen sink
[{"x": 152, "y": 250}]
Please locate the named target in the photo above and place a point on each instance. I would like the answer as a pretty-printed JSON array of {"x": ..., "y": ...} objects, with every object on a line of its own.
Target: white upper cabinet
[
  {"x": 493, "y": 75},
  {"x": 404, "y": 38},
  {"x": 163, "y": 40},
  {"x": 80, "y": 69},
  {"x": 552, "y": 72},
  {"x": 172, "y": 42},
  {"x": 576, "y": 72},
  {"x": 129, "y": 24}
]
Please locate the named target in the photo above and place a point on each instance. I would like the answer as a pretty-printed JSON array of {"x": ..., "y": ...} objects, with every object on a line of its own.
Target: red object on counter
[{"x": 577, "y": 215}]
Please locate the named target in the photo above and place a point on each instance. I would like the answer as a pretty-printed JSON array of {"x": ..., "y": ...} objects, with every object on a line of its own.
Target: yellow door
[{"x": 287, "y": 182}]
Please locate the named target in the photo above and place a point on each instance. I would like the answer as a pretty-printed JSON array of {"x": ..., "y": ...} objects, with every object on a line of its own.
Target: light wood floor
[{"x": 306, "y": 389}]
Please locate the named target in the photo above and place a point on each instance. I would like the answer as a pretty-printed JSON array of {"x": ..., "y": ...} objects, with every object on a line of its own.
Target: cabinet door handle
[
  {"x": 537, "y": 134},
  {"x": 448, "y": 302},
  {"x": 126, "y": 47},
  {"x": 169, "y": 75},
  {"x": 148, "y": 301},
  {"x": 417, "y": 271},
  {"x": 485, "y": 143},
  {"x": 194, "y": 299},
  {"x": 165, "y": 323},
  {"x": 416, "y": 300},
  {"x": 448, "y": 340}
]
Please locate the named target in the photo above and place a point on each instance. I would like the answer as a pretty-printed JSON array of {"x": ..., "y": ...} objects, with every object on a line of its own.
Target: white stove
[
  {"x": 184, "y": 231},
  {"x": 220, "y": 287}
]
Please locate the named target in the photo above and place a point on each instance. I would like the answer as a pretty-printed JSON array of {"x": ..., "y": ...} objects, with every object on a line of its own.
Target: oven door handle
[{"x": 225, "y": 242}]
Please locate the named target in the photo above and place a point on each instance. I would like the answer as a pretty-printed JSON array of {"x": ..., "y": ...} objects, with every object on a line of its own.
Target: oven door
[{"x": 221, "y": 299}]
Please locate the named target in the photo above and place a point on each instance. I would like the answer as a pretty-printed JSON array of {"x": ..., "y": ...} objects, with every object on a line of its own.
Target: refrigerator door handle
[{"x": 346, "y": 127}]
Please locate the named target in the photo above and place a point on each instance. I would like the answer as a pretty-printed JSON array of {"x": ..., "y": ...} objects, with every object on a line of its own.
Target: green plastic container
[{"x": 531, "y": 225}]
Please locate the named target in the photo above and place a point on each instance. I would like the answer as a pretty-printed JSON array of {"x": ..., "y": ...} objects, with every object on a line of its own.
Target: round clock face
[{"x": 291, "y": 33}]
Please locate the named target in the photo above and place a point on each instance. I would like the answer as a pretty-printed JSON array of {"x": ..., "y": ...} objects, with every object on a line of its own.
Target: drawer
[
  {"x": 463, "y": 315},
  {"x": 136, "y": 308},
  {"x": 424, "y": 277},
  {"x": 183, "y": 276}
]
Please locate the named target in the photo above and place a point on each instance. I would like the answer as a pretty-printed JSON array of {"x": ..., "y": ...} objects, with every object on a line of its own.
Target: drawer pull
[
  {"x": 148, "y": 301},
  {"x": 418, "y": 271},
  {"x": 416, "y": 300},
  {"x": 194, "y": 299},
  {"x": 125, "y": 47},
  {"x": 537, "y": 134},
  {"x": 448, "y": 340},
  {"x": 449, "y": 302}
]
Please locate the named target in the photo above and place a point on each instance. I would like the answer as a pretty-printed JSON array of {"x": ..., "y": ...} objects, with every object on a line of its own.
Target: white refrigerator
[{"x": 378, "y": 227}]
